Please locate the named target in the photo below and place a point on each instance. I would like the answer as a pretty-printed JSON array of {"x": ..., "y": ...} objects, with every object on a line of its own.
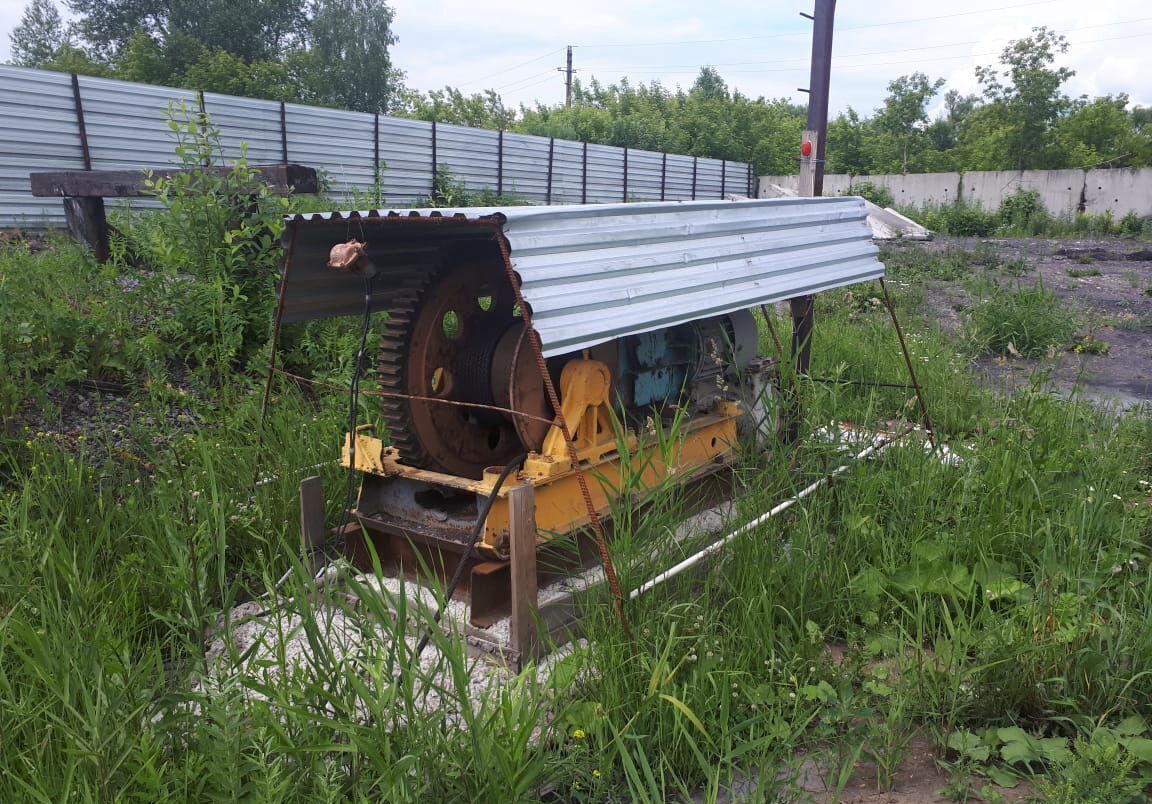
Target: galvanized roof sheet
[{"x": 595, "y": 272}]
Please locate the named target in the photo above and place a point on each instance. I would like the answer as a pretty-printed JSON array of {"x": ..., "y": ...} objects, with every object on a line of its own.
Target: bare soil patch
[{"x": 1107, "y": 284}]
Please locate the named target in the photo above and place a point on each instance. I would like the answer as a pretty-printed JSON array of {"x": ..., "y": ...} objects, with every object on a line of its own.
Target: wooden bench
[{"x": 84, "y": 192}]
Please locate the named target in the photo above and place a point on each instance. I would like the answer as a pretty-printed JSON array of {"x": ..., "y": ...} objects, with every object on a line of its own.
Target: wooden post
[
  {"x": 522, "y": 547},
  {"x": 312, "y": 521},
  {"x": 87, "y": 223}
]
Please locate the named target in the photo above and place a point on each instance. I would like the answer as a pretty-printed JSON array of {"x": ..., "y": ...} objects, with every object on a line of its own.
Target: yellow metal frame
[{"x": 704, "y": 444}]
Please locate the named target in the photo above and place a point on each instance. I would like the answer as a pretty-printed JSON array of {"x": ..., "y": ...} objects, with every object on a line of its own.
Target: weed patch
[{"x": 1023, "y": 321}]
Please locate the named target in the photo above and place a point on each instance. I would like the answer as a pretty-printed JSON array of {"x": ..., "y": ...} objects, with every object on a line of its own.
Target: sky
[{"x": 762, "y": 49}]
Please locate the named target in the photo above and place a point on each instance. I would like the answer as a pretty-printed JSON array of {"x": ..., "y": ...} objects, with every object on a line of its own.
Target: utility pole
[
  {"x": 567, "y": 78},
  {"x": 811, "y": 183}
]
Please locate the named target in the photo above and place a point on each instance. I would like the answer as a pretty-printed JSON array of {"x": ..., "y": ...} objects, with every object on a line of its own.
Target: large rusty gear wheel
[{"x": 441, "y": 340}]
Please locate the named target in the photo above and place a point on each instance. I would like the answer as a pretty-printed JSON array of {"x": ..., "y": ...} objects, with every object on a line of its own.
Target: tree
[
  {"x": 250, "y": 29},
  {"x": 1099, "y": 133},
  {"x": 1028, "y": 91},
  {"x": 40, "y": 34},
  {"x": 904, "y": 116},
  {"x": 449, "y": 105},
  {"x": 850, "y": 144},
  {"x": 349, "y": 64}
]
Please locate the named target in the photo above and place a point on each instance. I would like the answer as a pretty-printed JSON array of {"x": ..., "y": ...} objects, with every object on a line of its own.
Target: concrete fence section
[
  {"x": 57, "y": 121},
  {"x": 1119, "y": 191}
]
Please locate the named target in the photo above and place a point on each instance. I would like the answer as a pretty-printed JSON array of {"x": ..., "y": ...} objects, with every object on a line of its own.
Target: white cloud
[{"x": 515, "y": 46}]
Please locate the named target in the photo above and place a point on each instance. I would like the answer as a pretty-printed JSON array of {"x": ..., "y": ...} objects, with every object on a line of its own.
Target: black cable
[
  {"x": 353, "y": 406},
  {"x": 473, "y": 539}
]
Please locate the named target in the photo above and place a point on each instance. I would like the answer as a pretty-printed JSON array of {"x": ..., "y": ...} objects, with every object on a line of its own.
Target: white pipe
[{"x": 878, "y": 446}]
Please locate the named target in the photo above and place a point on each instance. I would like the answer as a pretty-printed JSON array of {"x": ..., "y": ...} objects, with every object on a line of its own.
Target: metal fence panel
[
  {"x": 678, "y": 178},
  {"x": 644, "y": 175},
  {"x": 127, "y": 128},
  {"x": 335, "y": 141},
  {"x": 708, "y": 174},
  {"x": 568, "y": 172},
  {"x": 605, "y": 174},
  {"x": 256, "y": 123},
  {"x": 526, "y": 166},
  {"x": 38, "y": 131},
  {"x": 127, "y": 123},
  {"x": 406, "y": 151},
  {"x": 470, "y": 154}
]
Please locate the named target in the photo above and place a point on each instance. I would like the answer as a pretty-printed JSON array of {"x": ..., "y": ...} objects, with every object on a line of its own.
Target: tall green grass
[{"x": 1010, "y": 590}]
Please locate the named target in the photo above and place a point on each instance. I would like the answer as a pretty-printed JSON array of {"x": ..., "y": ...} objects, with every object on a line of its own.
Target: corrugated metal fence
[{"x": 58, "y": 121}]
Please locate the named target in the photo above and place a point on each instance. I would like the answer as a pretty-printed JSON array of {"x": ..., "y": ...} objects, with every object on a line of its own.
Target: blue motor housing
[{"x": 685, "y": 363}]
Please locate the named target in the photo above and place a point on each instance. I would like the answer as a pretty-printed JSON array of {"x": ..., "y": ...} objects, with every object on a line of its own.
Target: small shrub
[
  {"x": 1019, "y": 322},
  {"x": 1131, "y": 225},
  {"x": 1091, "y": 345},
  {"x": 1103, "y": 772},
  {"x": 1023, "y": 212},
  {"x": 879, "y": 195},
  {"x": 1081, "y": 273},
  {"x": 960, "y": 219},
  {"x": 217, "y": 246},
  {"x": 450, "y": 191}
]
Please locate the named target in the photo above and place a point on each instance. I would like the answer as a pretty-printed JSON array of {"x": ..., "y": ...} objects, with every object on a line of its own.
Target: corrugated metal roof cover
[{"x": 595, "y": 272}]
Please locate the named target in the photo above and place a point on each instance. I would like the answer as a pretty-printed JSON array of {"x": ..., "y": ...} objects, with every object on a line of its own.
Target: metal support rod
[
  {"x": 79, "y": 105},
  {"x": 584, "y": 178},
  {"x": 925, "y": 420},
  {"x": 625, "y": 197},
  {"x": 694, "y": 159},
  {"x": 277, "y": 322},
  {"x": 434, "y": 167},
  {"x": 551, "y": 156},
  {"x": 500, "y": 163},
  {"x": 723, "y": 177},
  {"x": 376, "y": 172},
  {"x": 878, "y": 446},
  {"x": 663, "y": 174},
  {"x": 283, "y": 133}
]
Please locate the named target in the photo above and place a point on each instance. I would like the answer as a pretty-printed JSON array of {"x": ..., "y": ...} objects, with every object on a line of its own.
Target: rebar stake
[{"x": 926, "y": 420}]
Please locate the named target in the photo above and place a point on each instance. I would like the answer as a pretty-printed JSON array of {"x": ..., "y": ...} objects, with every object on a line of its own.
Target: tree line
[{"x": 337, "y": 53}]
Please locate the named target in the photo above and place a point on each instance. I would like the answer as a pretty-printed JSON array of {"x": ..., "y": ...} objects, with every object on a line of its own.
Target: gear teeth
[{"x": 390, "y": 363}]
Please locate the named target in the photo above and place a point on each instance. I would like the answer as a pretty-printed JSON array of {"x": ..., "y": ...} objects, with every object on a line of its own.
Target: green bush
[
  {"x": 959, "y": 219},
  {"x": 1020, "y": 322},
  {"x": 1131, "y": 225},
  {"x": 878, "y": 195},
  {"x": 217, "y": 244},
  {"x": 65, "y": 318},
  {"x": 1023, "y": 212}
]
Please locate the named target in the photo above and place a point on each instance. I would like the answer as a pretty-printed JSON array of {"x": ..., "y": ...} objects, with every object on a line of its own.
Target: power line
[
  {"x": 536, "y": 78},
  {"x": 535, "y": 84},
  {"x": 806, "y": 32},
  {"x": 883, "y": 52},
  {"x": 801, "y": 68},
  {"x": 513, "y": 67}
]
